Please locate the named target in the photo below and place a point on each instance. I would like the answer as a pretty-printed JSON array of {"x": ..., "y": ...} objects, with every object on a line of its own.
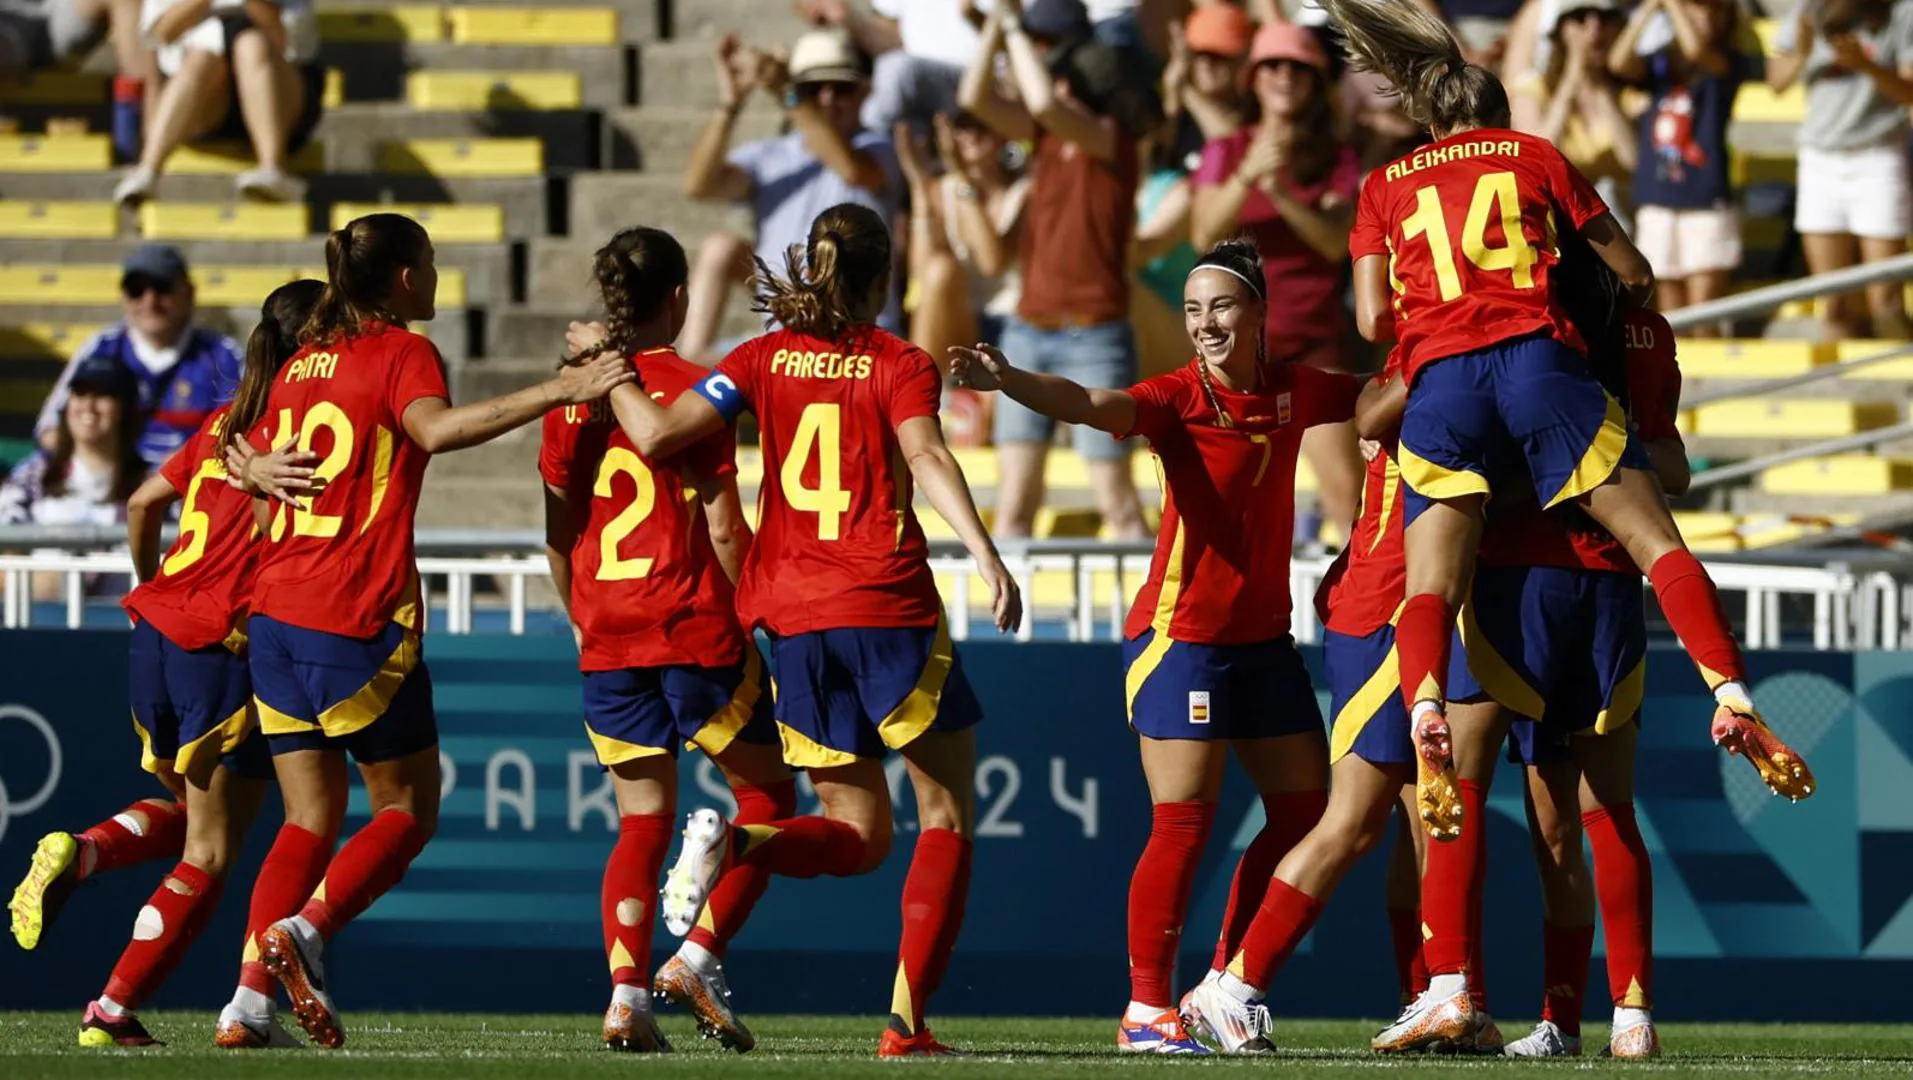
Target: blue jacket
[{"x": 174, "y": 402}]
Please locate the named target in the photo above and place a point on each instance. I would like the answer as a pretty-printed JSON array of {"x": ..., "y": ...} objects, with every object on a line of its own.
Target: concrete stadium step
[
  {"x": 603, "y": 203},
  {"x": 528, "y": 206},
  {"x": 377, "y": 71},
  {"x": 355, "y": 132},
  {"x": 658, "y": 138},
  {"x": 682, "y": 72},
  {"x": 538, "y": 331},
  {"x": 1753, "y": 501},
  {"x": 58, "y": 334},
  {"x": 481, "y": 500},
  {"x": 761, "y": 21}
]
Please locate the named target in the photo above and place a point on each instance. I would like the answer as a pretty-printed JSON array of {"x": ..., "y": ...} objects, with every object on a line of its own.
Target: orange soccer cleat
[
  {"x": 1437, "y": 795},
  {"x": 708, "y": 997},
  {"x": 1740, "y": 731},
  {"x": 303, "y": 976},
  {"x": 633, "y": 1031},
  {"x": 895, "y": 1044}
]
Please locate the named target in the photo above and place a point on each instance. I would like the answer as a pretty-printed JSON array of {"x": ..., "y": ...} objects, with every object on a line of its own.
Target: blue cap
[
  {"x": 162, "y": 262},
  {"x": 1056, "y": 20},
  {"x": 102, "y": 375}
]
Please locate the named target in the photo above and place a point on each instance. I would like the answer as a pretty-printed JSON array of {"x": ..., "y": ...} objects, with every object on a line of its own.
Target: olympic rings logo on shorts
[{"x": 9, "y": 806}]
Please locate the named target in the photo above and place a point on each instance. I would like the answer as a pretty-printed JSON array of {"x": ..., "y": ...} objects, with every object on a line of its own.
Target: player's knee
[
  {"x": 876, "y": 845},
  {"x": 210, "y": 855}
]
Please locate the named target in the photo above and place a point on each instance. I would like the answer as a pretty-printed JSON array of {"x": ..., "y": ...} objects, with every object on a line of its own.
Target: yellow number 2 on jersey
[
  {"x": 1496, "y": 198},
  {"x": 819, "y": 435},
  {"x": 620, "y": 461}
]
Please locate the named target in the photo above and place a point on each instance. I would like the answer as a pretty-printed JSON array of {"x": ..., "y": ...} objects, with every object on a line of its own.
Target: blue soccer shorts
[
  {"x": 1365, "y": 695},
  {"x": 371, "y": 697},
  {"x": 854, "y": 693},
  {"x": 189, "y": 704},
  {"x": 1185, "y": 690},
  {"x": 633, "y": 713}
]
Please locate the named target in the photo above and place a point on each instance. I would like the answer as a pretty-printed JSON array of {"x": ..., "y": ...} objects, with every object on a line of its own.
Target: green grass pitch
[{"x": 530, "y": 1047}]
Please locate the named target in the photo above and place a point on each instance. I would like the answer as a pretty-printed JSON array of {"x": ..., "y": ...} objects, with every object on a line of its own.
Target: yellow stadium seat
[
  {"x": 1756, "y": 103},
  {"x": 53, "y": 88},
  {"x": 469, "y": 223},
  {"x": 59, "y": 220},
  {"x": 486, "y": 25},
  {"x": 1752, "y": 168},
  {"x": 1839, "y": 474},
  {"x": 55, "y": 153},
  {"x": 231, "y": 159},
  {"x": 161, "y": 220},
  {"x": 81, "y": 284},
  {"x": 1771, "y": 530},
  {"x": 464, "y": 157},
  {"x": 1707, "y": 531},
  {"x": 1899, "y": 369},
  {"x": 36, "y": 341},
  {"x": 334, "y": 95},
  {"x": 495, "y": 90},
  {"x": 383, "y": 24},
  {"x": 1748, "y": 358},
  {"x": 1766, "y": 30},
  {"x": 89, "y": 284},
  {"x": 1800, "y": 418}
]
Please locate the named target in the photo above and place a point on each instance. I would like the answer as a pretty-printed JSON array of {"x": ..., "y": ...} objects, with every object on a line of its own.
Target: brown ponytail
[
  {"x": 1414, "y": 50},
  {"x": 362, "y": 263},
  {"x": 637, "y": 271},
  {"x": 271, "y": 344},
  {"x": 832, "y": 282}
]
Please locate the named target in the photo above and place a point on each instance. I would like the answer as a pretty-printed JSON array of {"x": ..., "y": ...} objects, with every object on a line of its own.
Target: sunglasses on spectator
[
  {"x": 1596, "y": 14},
  {"x": 134, "y": 286},
  {"x": 811, "y": 91}
]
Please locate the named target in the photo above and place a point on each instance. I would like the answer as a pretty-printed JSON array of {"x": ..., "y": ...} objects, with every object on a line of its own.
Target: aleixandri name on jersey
[{"x": 1442, "y": 155}]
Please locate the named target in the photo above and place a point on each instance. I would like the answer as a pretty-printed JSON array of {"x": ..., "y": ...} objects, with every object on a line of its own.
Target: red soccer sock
[
  {"x": 1564, "y": 965},
  {"x": 799, "y": 847},
  {"x": 1455, "y": 870},
  {"x": 742, "y": 885},
  {"x": 1477, "y": 963},
  {"x": 1159, "y": 895},
  {"x": 1692, "y": 606},
  {"x": 364, "y": 869},
  {"x": 293, "y": 868},
  {"x": 626, "y": 900},
  {"x": 1624, "y": 883},
  {"x": 1289, "y": 817},
  {"x": 1284, "y": 919},
  {"x": 1423, "y": 633},
  {"x": 166, "y": 927},
  {"x": 147, "y": 830},
  {"x": 1404, "y": 933},
  {"x": 934, "y": 895}
]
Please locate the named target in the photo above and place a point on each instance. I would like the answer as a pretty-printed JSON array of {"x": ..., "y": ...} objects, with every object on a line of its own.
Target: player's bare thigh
[
  {"x": 858, "y": 794},
  {"x": 1479, "y": 729},
  {"x": 646, "y": 785},
  {"x": 1285, "y": 763},
  {"x": 409, "y": 783},
  {"x": 1183, "y": 770}
]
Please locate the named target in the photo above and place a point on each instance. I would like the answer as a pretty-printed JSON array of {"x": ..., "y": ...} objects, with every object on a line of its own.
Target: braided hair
[{"x": 638, "y": 271}]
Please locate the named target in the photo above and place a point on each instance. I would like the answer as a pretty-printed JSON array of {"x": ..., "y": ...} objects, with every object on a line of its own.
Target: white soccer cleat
[
  {"x": 1546, "y": 1040},
  {"x": 239, "y": 1030},
  {"x": 1634, "y": 1037},
  {"x": 1444, "y": 1017},
  {"x": 700, "y": 862},
  {"x": 1239, "y": 1027}
]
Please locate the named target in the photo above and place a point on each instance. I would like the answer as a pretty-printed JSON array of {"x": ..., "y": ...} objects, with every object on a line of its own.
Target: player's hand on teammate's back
[
  {"x": 593, "y": 379},
  {"x": 284, "y": 474},
  {"x": 1006, "y": 598},
  {"x": 979, "y": 368}
]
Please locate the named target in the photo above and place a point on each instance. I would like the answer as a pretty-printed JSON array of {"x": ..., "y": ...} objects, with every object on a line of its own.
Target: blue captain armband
[{"x": 723, "y": 394}]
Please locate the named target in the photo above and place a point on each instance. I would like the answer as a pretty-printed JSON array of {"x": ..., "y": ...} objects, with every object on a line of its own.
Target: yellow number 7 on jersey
[{"x": 1496, "y": 198}]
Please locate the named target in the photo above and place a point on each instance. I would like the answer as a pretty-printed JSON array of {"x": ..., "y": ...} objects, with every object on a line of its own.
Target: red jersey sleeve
[
  {"x": 731, "y": 387},
  {"x": 915, "y": 387},
  {"x": 1653, "y": 376},
  {"x": 1570, "y": 190},
  {"x": 1327, "y": 397},
  {"x": 1158, "y": 405},
  {"x": 556, "y": 449},
  {"x": 179, "y": 468},
  {"x": 1370, "y": 233},
  {"x": 417, "y": 373}
]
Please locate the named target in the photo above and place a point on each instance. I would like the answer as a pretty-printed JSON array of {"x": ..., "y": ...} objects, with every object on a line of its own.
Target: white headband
[{"x": 1254, "y": 286}]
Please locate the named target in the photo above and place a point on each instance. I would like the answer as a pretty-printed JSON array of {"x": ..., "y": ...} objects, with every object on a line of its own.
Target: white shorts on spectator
[
  {"x": 1863, "y": 192},
  {"x": 1681, "y": 243}
]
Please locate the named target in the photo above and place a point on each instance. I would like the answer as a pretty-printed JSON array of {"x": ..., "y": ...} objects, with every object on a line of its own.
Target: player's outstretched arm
[
  {"x": 658, "y": 431},
  {"x": 936, "y": 471},
  {"x": 724, "y": 520},
  {"x": 145, "y": 512},
  {"x": 437, "y": 426},
  {"x": 985, "y": 368},
  {"x": 1374, "y": 299},
  {"x": 1378, "y": 411}
]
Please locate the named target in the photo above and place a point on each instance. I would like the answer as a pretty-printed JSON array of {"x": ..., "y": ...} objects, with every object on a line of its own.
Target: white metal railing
[{"x": 1086, "y": 588}]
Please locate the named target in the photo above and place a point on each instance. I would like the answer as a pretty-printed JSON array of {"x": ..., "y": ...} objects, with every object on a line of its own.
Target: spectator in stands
[
  {"x": 1480, "y": 25},
  {"x": 91, "y": 465},
  {"x": 919, "y": 49},
  {"x": 1853, "y": 198},
  {"x": 234, "y": 69},
  {"x": 1682, "y": 52},
  {"x": 1572, "y": 100},
  {"x": 179, "y": 372},
  {"x": 43, "y": 33},
  {"x": 963, "y": 229},
  {"x": 1288, "y": 180},
  {"x": 826, "y": 158},
  {"x": 1073, "y": 103}
]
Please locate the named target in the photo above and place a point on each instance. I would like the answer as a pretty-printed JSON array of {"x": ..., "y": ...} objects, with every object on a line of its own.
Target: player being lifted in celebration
[
  {"x": 645, "y": 553},
  {"x": 839, "y": 576},
  {"x": 336, "y": 611},
  {"x": 1454, "y": 249},
  {"x": 192, "y": 706},
  {"x": 1210, "y": 664}
]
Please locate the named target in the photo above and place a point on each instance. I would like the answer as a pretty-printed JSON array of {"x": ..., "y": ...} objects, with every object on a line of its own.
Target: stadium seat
[
  {"x": 1756, "y": 103},
  {"x": 1809, "y": 418},
  {"x": 387, "y": 24},
  {"x": 497, "y": 91},
  {"x": 1748, "y": 358},
  {"x": 334, "y": 94},
  {"x": 98, "y": 284},
  {"x": 495, "y": 158},
  {"x": 160, "y": 220},
  {"x": 1896, "y": 370},
  {"x": 53, "y": 88},
  {"x": 449, "y": 223},
  {"x": 44, "y": 341},
  {"x": 1771, "y": 530},
  {"x": 1840, "y": 474},
  {"x": 55, "y": 153},
  {"x": 231, "y": 159},
  {"x": 543, "y": 25},
  {"x": 58, "y": 220},
  {"x": 1755, "y": 168},
  {"x": 1707, "y": 531}
]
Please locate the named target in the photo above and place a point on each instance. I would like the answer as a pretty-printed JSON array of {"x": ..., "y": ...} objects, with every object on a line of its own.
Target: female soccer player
[
  {"x": 1466, "y": 231},
  {"x": 1210, "y": 663},
  {"x": 191, "y": 706},
  {"x": 336, "y": 613},
  {"x": 839, "y": 576},
  {"x": 645, "y": 554}
]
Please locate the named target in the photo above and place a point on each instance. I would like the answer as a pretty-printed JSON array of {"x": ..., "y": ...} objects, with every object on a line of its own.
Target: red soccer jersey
[
  {"x": 1363, "y": 588},
  {"x": 837, "y": 542},
  {"x": 345, "y": 563},
  {"x": 646, "y": 587},
  {"x": 1526, "y": 535},
  {"x": 1469, "y": 227},
  {"x": 1220, "y": 575},
  {"x": 204, "y": 586}
]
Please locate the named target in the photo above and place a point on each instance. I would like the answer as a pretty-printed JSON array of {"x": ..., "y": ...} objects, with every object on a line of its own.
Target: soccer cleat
[
  {"x": 698, "y": 865},
  {"x": 1546, "y": 1040},
  {"x": 1446, "y": 1020},
  {"x": 239, "y": 1030},
  {"x": 1488, "y": 1037},
  {"x": 51, "y": 878},
  {"x": 1239, "y": 1027},
  {"x": 1163, "y": 1035},
  {"x": 1637, "y": 1041},
  {"x": 1437, "y": 793},
  {"x": 633, "y": 1031},
  {"x": 1739, "y": 730},
  {"x": 303, "y": 976},
  {"x": 708, "y": 997},
  {"x": 98, "y": 1029},
  {"x": 896, "y": 1044}
]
